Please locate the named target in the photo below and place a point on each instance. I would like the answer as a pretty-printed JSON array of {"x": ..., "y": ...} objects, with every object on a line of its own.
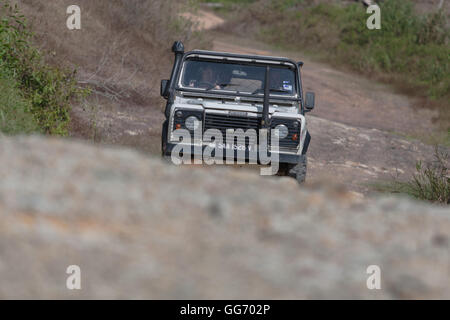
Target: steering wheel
[{"x": 206, "y": 85}]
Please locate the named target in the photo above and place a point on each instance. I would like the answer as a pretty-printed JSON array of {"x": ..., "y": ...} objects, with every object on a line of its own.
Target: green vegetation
[
  {"x": 15, "y": 117},
  {"x": 441, "y": 138},
  {"x": 411, "y": 51},
  {"x": 410, "y": 46},
  {"x": 226, "y": 7},
  {"x": 431, "y": 181},
  {"x": 34, "y": 96},
  {"x": 228, "y": 2}
]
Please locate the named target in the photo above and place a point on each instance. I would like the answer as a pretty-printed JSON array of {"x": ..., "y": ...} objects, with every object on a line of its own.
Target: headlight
[
  {"x": 179, "y": 114},
  {"x": 192, "y": 123},
  {"x": 281, "y": 131}
]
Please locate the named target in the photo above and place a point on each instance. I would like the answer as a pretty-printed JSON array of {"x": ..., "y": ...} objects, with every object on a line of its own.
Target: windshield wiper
[
  {"x": 261, "y": 90},
  {"x": 222, "y": 85}
]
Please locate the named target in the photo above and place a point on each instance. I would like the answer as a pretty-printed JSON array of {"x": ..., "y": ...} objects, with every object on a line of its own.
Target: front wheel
[
  {"x": 164, "y": 139},
  {"x": 298, "y": 171}
]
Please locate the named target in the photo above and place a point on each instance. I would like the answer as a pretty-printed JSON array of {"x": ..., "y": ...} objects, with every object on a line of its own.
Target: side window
[{"x": 190, "y": 76}]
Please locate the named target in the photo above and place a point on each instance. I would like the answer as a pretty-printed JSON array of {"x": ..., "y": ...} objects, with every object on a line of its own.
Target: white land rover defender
[{"x": 225, "y": 93}]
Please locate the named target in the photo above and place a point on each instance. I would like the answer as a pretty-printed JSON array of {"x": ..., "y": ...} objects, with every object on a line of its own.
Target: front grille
[{"x": 223, "y": 122}]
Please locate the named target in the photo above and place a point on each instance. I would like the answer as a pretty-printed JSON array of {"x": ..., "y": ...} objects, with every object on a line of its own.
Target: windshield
[{"x": 237, "y": 77}]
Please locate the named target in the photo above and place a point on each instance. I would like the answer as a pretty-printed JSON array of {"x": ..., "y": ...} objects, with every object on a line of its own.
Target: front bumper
[{"x": 198, "y": 151}]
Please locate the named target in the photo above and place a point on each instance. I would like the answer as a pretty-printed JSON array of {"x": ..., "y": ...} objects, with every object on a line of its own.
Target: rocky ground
[{"x": 214, "y": 233}]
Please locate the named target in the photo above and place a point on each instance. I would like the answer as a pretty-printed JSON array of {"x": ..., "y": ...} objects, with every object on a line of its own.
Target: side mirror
[
  {"x": 300, "y": 64},
  {"x": 164, "y": 88},
  {"x": 310, "y": 101}
]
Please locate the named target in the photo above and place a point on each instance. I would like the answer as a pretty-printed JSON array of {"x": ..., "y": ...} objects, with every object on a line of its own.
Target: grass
[
  {"x": 123, "y": 47},
  {"x": 121, "y": 53},
  {"x": 441, "y": 138},
  {"x": 431, "y": 182},
  {"x": 411, "y": 51},
  {"x": 15, "y": 115}
]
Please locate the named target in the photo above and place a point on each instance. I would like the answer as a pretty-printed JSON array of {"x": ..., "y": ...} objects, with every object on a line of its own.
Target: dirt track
[
  {"x": 356, "y": 126},
  {"x": 356, "y": 123}
]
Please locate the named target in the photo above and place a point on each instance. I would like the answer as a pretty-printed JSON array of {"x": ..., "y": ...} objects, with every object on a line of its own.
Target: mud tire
[{"x": 298, "y": 171}]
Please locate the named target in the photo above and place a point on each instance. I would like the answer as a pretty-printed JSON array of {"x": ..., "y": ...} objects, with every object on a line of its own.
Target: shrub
[
  {"x": 411, "y": 50},
  {"x": 431, "y": 181},
  {"x": 15, "y": 117},
  {"x": 49, "y": 90}
]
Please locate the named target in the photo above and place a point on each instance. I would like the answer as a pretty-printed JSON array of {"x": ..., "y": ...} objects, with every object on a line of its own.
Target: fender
[{"x": 307, "y": 141}]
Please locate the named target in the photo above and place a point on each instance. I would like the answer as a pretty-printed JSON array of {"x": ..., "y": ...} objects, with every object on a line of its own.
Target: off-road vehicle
[{"x": 225, "y": 91}]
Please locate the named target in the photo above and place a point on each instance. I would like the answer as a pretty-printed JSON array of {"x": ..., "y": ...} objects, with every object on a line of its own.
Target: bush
[
  {"x": 407, "y": 44},
  {"x": 48, "y": 90},
  {"x": 431, "y": 181},
  {"x": 15, "y": 115},
  {"x": 411, "y": 50}
]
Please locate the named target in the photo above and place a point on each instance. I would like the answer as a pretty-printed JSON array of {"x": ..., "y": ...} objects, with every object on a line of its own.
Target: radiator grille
[{"x": 223, "y": 122}]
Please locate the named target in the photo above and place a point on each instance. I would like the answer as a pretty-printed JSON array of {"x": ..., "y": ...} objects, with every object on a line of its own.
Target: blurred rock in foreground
[{"x": 139, "y": 228}]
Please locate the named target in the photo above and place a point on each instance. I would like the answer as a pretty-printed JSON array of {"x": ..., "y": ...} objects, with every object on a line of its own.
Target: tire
[
  {"x": 164, "y": 139},
  {"x": 298, "y": 171}
]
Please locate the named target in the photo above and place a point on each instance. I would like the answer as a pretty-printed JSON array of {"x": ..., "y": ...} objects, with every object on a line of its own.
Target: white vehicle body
[{"x": 214, "y": 91}]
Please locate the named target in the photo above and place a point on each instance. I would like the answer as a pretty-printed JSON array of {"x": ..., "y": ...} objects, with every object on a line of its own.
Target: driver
[{"x": 208, "y": 78}]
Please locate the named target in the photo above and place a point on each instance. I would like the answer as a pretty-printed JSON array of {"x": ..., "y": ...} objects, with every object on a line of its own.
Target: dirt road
[
  {"x": 356, "y": 127},
  {"x": 356, "y": 123}
]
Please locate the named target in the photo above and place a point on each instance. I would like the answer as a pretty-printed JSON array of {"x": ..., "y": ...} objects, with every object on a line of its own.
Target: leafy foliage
[
  {"x": 48, "y": 90},
  {"x": 431, "y": 181},
  {"x": 411, "y": 50},
  {"x": 15, "y": 117}
]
